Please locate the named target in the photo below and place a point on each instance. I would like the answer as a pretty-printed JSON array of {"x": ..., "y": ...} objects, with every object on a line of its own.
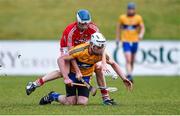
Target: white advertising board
[{"x": 40, "y": 57}]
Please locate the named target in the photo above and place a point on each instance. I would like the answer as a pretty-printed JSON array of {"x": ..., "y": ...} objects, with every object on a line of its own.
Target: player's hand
[
  {"x": 128, "y": 84},
  {"x": 79, "y": 76},
  {"x": 68, "y": 81}
]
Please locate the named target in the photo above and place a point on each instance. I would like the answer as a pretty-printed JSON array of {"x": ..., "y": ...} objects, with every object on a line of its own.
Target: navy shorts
[
  {"x": 131, "y": 47},
  {"x": 77, "y": 90}
]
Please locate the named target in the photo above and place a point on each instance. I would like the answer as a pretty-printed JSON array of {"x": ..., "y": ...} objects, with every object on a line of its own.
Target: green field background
[
  {"x": 155, "y": 95},
  {"x": 46, "y": 19}
]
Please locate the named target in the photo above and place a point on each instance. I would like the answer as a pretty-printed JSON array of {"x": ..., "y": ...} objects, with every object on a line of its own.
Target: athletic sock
[
  {"x": 105, "y": 94},
  {"x": 39, "y": 82},
  {"x": 54, "y": 96}
]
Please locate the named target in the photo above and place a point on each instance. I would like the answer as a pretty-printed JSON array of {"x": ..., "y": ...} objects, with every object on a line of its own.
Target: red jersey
[{"x": 72, "y": 36}]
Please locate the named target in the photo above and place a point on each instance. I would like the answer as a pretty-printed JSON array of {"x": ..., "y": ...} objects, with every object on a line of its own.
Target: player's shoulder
[
  {"x": 93, "y": 26},
  {"x": 138, "y": 16},
  {"x": 71, "y": 26},
  {"x": 123, "y": 16},
  {"x": 79, "y": 48}
]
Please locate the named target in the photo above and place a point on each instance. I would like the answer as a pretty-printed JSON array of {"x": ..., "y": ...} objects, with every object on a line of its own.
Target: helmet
[
  {"x": 83, "y": 16},
  {"x": 97, "y": 39},
  {"x": 131, "y": 5}
]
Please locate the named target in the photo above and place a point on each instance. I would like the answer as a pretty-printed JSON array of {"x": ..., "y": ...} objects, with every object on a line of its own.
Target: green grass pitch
[{"x": 151, "y": 95}]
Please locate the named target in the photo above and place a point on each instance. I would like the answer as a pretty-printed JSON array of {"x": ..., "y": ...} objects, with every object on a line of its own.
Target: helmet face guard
[
  {"x": 82, "y": 26},
  {"x": 98, "y": 43},
  {"x": 97, "y": 50}
]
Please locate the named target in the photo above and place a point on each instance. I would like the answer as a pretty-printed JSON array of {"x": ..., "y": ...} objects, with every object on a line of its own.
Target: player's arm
[
  {"x": 63, "y": 43},
  {"x": 73, "y": 61},
  {"x": 118, "y": 30},
  {"x": 61, "y": 64},
  {"x": 65, "y": 47},
  {"x": 103, "y": 63},
  {"x": 118, "y": 70},
  {"x": 77, "y": 70},
  {"x": 142, "y": 29}
]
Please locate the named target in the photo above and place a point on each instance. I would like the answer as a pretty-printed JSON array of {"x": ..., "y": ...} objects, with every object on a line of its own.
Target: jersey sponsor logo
[
  {"x": 79, "y": 41},
  {"x": 84, "y": 65},
  {"x": 129, "y": 27}
]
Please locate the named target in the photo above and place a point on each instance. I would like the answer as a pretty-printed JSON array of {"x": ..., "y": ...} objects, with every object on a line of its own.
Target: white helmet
[{"x": 97, "y": 39}]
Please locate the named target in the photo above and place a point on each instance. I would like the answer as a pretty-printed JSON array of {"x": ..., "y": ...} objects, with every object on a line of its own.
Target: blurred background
[{"x": 46, "y": 19}]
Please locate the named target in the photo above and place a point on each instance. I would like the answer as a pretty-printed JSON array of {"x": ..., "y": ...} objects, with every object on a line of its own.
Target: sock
[
  {"x": 129, "y": 76},
  {"x": 54, "y": 96},
  {"x": 39, "y": 82},
  {"x": 105, "y": 94}
]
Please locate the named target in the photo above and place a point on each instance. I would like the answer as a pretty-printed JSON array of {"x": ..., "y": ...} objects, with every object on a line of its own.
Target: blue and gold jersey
[
  {"x": 130, "y": 27},
  {"x": 85, "y": 61}
]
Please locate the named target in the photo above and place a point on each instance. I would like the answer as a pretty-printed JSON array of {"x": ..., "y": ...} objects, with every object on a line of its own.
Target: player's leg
[
  {"x": 83, "y": 92},
  {"x": 134, "y": 49},
  {"x": 70, "y": 98},
  {"x": 31, "y": 86},
  {"x": 54, "y": 96},
  {"x": 48, "y": 77},
  {"x": 83, "y": 95},
  {"x": 52, "y": 76},
  {"x": 128, "y": 57},
  {"x": 81, "y": 100}
]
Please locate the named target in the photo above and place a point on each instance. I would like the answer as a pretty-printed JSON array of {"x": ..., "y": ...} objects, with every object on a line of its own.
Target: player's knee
[
  {"x": 128, "y": 60},
  {"x": 71, "y": 100},
  {"x": 82, "y": 100}
]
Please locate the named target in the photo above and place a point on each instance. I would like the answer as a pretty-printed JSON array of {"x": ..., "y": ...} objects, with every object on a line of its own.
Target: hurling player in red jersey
[{"x": 76, "y": 33}]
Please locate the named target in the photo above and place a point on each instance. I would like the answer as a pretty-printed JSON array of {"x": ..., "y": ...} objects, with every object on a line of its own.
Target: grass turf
[
  {"x": 151, "y": 95},
  {"x": 46, "y": 19}
]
